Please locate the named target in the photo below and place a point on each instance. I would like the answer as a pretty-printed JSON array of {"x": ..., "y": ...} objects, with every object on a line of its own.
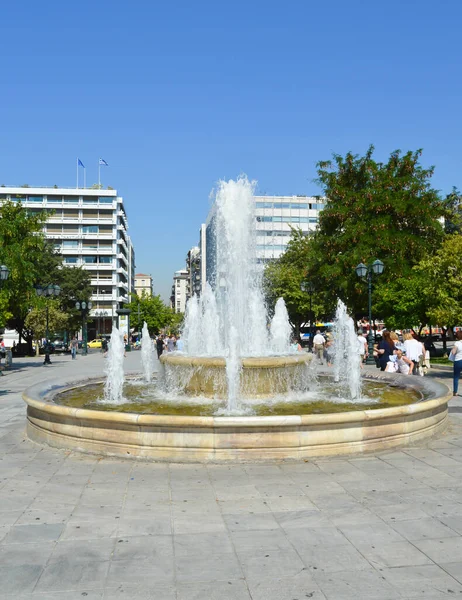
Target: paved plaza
[{"x": 373, "y": 527}]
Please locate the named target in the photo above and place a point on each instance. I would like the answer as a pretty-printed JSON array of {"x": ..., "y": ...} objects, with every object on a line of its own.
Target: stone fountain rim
[
  {"x": 40, "y": 396},
  {"x": 248, "y": 362}
]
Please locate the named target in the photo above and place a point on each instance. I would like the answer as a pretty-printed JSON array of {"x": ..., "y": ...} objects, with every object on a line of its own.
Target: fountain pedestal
[{"x": 260, "y": 377}]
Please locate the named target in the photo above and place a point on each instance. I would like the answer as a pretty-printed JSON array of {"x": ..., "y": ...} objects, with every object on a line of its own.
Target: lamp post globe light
[
  {"x": 366, "y": 272},
  {"x": 4, "y": 272},
  {"x": 308, "y": 287},
  {"x": 47, "y": 291},
  {"x": 84, "y": 307}
]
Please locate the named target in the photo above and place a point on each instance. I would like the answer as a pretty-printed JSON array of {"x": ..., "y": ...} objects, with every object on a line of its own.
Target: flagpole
[
  {"x": 99, "y": 174},
  {"x": 84, "y": 178},
  {"x": 77, "y": 186}
]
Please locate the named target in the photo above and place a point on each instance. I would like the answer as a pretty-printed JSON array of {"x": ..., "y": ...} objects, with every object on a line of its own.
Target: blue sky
[{"x": 175, "y": 96}]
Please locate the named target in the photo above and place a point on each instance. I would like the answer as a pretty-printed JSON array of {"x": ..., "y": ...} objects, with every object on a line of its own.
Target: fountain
[
  {"x": 147, "y": 354},
  {"x": 238, "y": 391}
]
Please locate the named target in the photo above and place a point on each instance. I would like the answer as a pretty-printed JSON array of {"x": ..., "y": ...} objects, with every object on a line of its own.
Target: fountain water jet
[
  {"x": 147, "y": 354},
  {"x": 347, "y": 360},
  {"x": 114, "y": 370}
]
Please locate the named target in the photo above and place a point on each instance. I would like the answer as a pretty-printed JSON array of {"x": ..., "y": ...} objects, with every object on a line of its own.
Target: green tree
[
  {"x": 374, "y": 210},
  {"x": 30, "y": 258},
  {"x": 153, "y": 310},
  {"x": 75, "y": 286},
  {"x": 36, "y": 319},
  {"x": 284, "y": 276}
]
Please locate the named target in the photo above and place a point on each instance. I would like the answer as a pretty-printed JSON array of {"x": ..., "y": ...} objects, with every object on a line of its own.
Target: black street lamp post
[
  {"x": 4, "y": 273},
  {"x": 47, "y": 291},
  {"x": 366, "y": 272},
  {"x": 84, "y": 307},
  {"x": 307, "y": 286}
]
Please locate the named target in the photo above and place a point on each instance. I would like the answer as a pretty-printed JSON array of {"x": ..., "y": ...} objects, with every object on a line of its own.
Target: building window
[
  {"x": 71, "y": 260},
  {"x": 106, "y": 260},
  {"x": 104, "y": 200},
  {"x": 90, "y": 259},
  {"x": 35, "y": 198},
  {"x": 70, "y": 244},
  {"x": 71, "y": 199},
  {"x": 90, "y": 229}
]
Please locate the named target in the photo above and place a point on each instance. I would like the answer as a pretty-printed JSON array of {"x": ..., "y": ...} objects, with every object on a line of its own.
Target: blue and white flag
[
  {"x": 81, "y": 163},
  {"x": 103, "y": 162}
]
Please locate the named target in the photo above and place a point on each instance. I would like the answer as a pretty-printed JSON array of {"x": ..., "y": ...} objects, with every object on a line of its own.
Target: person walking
[
  {"x": 74, "y": 346},
  {"x": 362, "y": 344},
  {"x": 318, "y": 344},
  {"x": 179, "y": 344},
  {"x": 159, "y": 346},
  {"x": 456, "y": 357}
]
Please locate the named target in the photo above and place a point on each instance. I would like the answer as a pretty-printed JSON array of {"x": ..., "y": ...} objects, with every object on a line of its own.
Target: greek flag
[
  {"x": 81, "y": 163},
  {"x": 103, "y": 162}
]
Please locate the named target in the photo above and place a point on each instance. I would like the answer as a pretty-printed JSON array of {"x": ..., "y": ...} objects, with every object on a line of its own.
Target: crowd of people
[{"x": 168, "y": 343}]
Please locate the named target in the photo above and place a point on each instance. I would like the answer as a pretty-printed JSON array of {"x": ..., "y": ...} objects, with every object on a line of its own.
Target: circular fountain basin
[
  {"x": 261, "y": 377},
  {"x": 242, "y": 438}
]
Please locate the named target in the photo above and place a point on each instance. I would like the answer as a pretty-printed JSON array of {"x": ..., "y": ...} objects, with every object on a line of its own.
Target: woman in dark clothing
[{"x": 385, "y": 349}]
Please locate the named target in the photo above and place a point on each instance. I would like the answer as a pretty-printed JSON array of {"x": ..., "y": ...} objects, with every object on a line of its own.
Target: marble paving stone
[
  {"x": 76, "y": 551},
  {"x": 380, "y": 533},
  {"x": 70, "y": 575},
  {"x": 395, "y": 554},
  {"x": 25, "y": 554},
  {"x": 241, "y": 521},
  {"x": 227, "y": 492},
  {"x": 20, "y": 579},
  {"x": 344, "y": 517},
  {"x": 34, "y": 517},
  {"x": 265, "y": 563},
  {"x": 20, "y": 534},
  {"x": 300, "y": 586},
  {"x": 422, "y": 581},
  {"x": 67, "y": 595},
  {"x": 442, "y": 550},
  {"x": 143, "y": 548},
  {"x": 356, "y": 585},
  {"x": 90, "y": 530},
  {"x": 216, "y": 590},
  {"x": 218, "y": 567},
  {"x": 454, "y": 569},
  {"x": 317, "y": 536},
  {"x": 152, "y": 571},
  {"x": 399, "y": 512},
  {"x": 187, "y": 523},
  {"x": 141, "y": 592},
  {"x": 453, "y": 522},
  {"x": 420, "y": 529},
  {"x": 244, "y": 505},
  {"x": 270, "y": 539},
  {"x": 302, "y": 518},
  {"x": 290, "y": 503},
  {"x": 202, "y": 543},
  {"x": 156, "y": 525}
]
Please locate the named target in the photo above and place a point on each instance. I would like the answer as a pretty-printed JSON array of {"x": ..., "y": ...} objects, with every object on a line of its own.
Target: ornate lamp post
[
  {"x": 4, "y": 273},
  {"x": 46, "y": 292},
  {"x": 307, "y": 286},
  {"x": 84, "y": 307},
  {"x": 366, "y": 272}
]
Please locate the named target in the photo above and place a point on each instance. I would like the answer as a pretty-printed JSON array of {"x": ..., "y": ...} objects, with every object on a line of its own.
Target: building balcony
[{"x": 106, "y": 297}]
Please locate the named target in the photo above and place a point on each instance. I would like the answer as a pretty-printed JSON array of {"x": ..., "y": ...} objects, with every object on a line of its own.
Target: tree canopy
[{"x": 155, "y": 312}]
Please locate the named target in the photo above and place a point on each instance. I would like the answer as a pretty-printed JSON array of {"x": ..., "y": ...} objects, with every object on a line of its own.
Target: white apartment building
[
  {"x": 143, "y": 284},
  {"x": 89, "y": 228},
  {"x": 274, "y": 217},
  {"x": 180, "y": 290}
]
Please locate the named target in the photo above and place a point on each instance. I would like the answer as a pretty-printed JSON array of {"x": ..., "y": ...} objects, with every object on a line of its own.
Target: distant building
[
  {"x": 180, "y": 290},
  {"x": 274, "y": 217},
  {"x": 89, "y": 228},
  {"x": 143, "y": 284}
]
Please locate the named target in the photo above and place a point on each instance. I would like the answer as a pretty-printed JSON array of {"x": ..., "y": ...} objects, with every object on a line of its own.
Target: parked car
[
  {"x": 60, "y": 346},
  {"x": 95, "y": 344}
]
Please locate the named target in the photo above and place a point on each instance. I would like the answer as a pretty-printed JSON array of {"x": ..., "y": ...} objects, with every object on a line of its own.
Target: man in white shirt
[
  {"x": 318, "y": 346},
  {"x": 362, "y": 345}
]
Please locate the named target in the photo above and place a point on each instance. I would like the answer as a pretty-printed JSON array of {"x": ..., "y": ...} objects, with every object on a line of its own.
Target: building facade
[
  {"x": 275, "y": 216},
  {"x": 180, "y": 290},
  {"x": 143, "y": 284},
  {"x": 90, "y": 229}
]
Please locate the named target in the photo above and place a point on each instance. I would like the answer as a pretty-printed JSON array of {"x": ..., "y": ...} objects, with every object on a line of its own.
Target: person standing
[
  {"x": 362, "y": 346},
  {"x": 179, "y": 344},
  {"x": 318, "y": 345},
  {"x": 456, "y": 355},
  {"x": 74, "y": 346},
  {"x": 159, "y": 346},
  {"x": 171, "y": 343},
  {"x": 385, "y": 350},
  {"x": 414, "y": 350}
]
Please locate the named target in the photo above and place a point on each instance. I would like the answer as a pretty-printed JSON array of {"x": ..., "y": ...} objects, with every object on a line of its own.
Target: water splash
[
  {"x": 114, "y": 370},
  {"x": 347, "y": 360},
  {"x": 281, "y": 331},
  {"x": 147, "y": 354}
]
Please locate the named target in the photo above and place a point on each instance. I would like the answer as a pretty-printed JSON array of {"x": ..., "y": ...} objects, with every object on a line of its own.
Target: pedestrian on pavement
[
  {"x": 179, "y": 344},
  {"x": 456, "y": 355},
  {"x": 318, "y": 344},
  {"x": 385, "y": 350},
  {"x": 74, "y": 346},
  {"x": 171, "y": 343},
  {"x": 362, "y": 346},
  {"x": 159, "y": 345},
  {"x": 414, "y": 349}
]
